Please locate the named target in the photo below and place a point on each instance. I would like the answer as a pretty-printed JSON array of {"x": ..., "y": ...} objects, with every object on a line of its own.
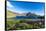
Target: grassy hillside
[
  {"x": 13, "y": 24},
  {"x": 10, "y": 14}
]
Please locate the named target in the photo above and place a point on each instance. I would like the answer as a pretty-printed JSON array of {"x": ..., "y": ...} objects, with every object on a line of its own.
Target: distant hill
[
  {"x": 14, "y": 14},
  {"x": 29, "y": 15},
  {"x": 10, "y": 14}
]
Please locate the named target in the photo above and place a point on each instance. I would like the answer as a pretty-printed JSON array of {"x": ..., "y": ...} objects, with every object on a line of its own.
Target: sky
[{"x": 24, "y": 7}]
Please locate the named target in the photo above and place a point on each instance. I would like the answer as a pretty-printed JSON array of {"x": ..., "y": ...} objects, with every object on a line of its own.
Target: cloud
[{"x": 10, "y": 6}]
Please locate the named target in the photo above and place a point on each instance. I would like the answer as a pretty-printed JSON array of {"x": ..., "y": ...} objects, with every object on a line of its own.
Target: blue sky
[
  {"x": 11, "y": 0},
  {"x": 24, "y": 7}
]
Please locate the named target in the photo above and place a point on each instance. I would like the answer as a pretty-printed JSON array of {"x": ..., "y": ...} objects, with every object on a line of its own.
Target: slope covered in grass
[{"x": 10, "y": 14}]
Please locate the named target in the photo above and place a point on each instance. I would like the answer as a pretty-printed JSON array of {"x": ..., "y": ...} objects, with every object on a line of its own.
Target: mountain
[
  {"x": 14, "y": 14},
  {"x": 29, "y": 14},
  {"x": 10, "y": 14}
]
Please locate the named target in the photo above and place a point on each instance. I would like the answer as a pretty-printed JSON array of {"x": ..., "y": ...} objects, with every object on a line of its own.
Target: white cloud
[{"x": 9, "y": 4}]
